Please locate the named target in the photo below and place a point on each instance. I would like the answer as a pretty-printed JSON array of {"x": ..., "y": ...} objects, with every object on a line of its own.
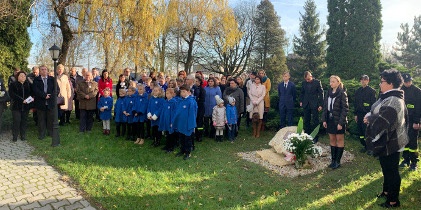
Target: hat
[
  {"x": 406, "y": 77},
  {"x": 218, "y": 100},
  {"x": 364, "y": 77},
  {"x": 231, "y": 99}
]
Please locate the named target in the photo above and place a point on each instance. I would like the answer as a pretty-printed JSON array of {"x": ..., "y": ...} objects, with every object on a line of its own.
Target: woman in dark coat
[
  {"x": 19, "y": 91},
  {"x": 334, "y": 119},
  {"x": 236, "y": 92}
]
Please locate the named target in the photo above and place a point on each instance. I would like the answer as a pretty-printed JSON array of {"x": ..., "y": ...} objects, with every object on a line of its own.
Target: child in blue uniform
[
  {"x": 105, "y": 105},
  {"x": 139, "y": 111},
  {"x": 154, "y": 110},
  {"x": 167, "y": 114},
  {"x": 127, "y": 111},
  {"x": 119, "y": 118},
  {"x": 185, "y": 120},
  {"x": 231, "y": 118}
]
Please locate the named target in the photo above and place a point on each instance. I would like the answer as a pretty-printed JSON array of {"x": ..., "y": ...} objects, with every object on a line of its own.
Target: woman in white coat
[{"x": 65, "y": 91}]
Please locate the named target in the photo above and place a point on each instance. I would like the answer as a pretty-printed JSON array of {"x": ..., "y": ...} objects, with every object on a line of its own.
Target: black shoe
[
  {"x": 404, "y": 163},
  {"x": 336, "y": 165},
  {"x": 381, "y": 195},
  {"x": 388, "y": 205},
  {"x": 187, "y": 156}
]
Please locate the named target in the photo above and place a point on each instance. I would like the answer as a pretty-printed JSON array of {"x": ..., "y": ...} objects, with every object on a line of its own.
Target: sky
[{"x": 394, "y": 13}]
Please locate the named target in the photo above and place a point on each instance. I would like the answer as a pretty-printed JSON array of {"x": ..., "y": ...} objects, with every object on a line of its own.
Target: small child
[
  {"x": 184, "y": 120},
  {"x": 231, "y": 118},
  {"x": 127, "y": 111},
  {"x": 119, "y": 117},
  {"x": 105, "y": 105},
  {"x": 219, "y": 118},
  {"x": 139, "y": 112},
  {"x": 167, "y": 114},
  {"x": 154, "y": 110}
]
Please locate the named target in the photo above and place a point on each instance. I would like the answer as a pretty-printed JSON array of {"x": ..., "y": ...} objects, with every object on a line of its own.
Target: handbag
[{"x": 60, "y": 100}]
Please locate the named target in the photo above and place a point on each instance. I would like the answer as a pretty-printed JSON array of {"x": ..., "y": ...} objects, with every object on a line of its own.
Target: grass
[{"x": 116, "y": 174}]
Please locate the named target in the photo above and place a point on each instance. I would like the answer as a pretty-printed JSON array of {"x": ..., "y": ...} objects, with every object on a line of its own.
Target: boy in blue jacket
[
  {"x": 185, "y": 120},
  {"x": 105, "y": 105},
  {"x": 139, "y": 111},
  {"x": 127, "y": 111},
  {"x": 231, "y": 118},
  {"x": 119, "y": 118},
  {"x": 167, "y": 114}
]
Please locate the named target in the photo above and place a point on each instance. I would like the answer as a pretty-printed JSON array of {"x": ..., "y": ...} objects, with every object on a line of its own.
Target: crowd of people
[{"x": 187, "y": 108}]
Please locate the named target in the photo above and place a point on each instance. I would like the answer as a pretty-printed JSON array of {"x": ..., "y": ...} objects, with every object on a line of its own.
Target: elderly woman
[
  {"x": 386, "y": 133},
  {"x": 234, "y": 91},
  {"x": 20, "y": 90},
  {"x": 65, "y": 91},
  {"x": 257, "y": 94}
]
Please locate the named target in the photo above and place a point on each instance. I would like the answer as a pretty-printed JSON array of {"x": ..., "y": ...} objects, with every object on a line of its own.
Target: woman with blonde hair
[
  {"x": 334, "y": 119},
  {"x": 66, "y": 91}
]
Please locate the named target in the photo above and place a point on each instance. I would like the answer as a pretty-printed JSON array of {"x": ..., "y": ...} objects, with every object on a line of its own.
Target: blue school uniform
[
  {"x": 185, "y": 116},
  {"x": 105, "y": 101},
  {"x": 140, "y": 107},
  {"x": 119, "y": 117},
  {"x": 167, "y": 114},
  {"x": 231, "y": 114},
  {"x": 154, "y": 108},
  {"x": 128, "y": 107}
]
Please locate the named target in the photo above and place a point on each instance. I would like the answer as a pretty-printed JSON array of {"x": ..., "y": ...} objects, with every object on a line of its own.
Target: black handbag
[{"x": 60, "y": 100}]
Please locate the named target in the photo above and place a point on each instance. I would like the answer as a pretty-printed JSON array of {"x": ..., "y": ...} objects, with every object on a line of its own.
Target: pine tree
[
  {"x": 310, "y": 47},
  {"x": 408, "y": 49},
  {"x": 353, "y": 37},
  {"x": 270, "y": 40}
]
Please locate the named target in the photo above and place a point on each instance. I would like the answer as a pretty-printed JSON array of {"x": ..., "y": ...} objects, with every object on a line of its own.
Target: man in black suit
[
  {"x": 311, "y": 100},
  {"x": 43, "y": 89},
  {"x": 287, "y": 95}
]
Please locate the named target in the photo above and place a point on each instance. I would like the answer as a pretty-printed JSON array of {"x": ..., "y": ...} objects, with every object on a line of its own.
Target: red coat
[{"x": 105, "y": 84}]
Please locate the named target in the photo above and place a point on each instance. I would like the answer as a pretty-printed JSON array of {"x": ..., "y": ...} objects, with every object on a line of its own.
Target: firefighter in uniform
[
  {"x": 413, "y": 104},
  {"x": 365, "y": 96}
]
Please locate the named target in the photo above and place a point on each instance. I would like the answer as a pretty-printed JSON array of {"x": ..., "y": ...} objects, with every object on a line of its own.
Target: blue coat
[
  {"x": 128, "y": 107},
  {"x": 167, "y": 114},
  {"x": 105, "y": 101},
  {"x": 154, "y": 108},
  {"x": 210, "y": 101},
  {"x": 185, "y": 116},
  {"x": 140, "y": 107},
  {"x": 287, "y": 96},
  {"x": 231, "y": 114},
  {"x": 119, "y": 117}
]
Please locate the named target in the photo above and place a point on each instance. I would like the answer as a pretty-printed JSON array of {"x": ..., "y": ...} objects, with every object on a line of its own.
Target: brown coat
[
  {"x": 84, "y": 89},
  {"x": 268, "y": 85}
]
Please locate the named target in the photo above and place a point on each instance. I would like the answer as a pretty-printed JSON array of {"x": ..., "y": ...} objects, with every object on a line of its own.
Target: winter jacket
[
  {"x": 128, "y": 107},
  {"x": 184, "y": 120},
  {"x": 412, "y": 97},
  {"x": 238, "y": 94},
  {"x": 19, "y": 92},
  {"x": 339, "y": 108},
  {"x": 268, "y": 85},
  {"x": 219, "y": 117},
  {"x": 119, "y": 117},
  {"x": 386, "y": 131},
  {"x": 364, "y": 98},
  {"x": 140, "y": 107},
  {"x": 105, "y": 102},
  {"x": 87, "y": 88},
  {"x": 154, "y": 108},
  {"x": 102, "y": 84},
  {"x": 63, "y": 83},
  {"x": 210, "y": 102},
  {"x": 231, "y": 114},
  {"x": 167, "y": 114}
]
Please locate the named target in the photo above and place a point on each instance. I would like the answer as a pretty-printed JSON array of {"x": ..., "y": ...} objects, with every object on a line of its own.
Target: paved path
[{"x": 27, "y": 182}]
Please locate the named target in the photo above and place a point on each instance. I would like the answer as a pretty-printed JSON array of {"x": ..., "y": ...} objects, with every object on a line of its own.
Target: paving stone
[
  {"x": 76, "y": 205},
  {"x": 47, "y": 201},
  {"x": 60, "y": 204},
  {"x": 30, "y": 206}
]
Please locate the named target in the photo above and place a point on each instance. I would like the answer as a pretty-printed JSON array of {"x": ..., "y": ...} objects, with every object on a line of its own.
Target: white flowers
[{"x": 301, "y": 145}]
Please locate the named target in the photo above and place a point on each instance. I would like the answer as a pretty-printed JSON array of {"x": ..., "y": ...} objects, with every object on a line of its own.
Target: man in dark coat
[
  {"x": 287, "y": 95},
  {"x": 365, "y": 96},
  {"x": 43, "y": 90},
  {"x": 412, "y": 95},
  {"x": 74, "y": 79},
  {"x": 311, "y": 100}
]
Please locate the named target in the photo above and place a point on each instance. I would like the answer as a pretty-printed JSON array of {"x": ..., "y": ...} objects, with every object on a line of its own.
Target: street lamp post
[{"x": 55, "y": 51}]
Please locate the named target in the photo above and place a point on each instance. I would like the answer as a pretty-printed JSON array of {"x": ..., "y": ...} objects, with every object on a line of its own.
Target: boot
[
  {"x": 332, "y": 154},
  {"x": 262, "y": 125},
  {"x": 339, "y": 152},
  {"x": 157, "y": 142},
  {"x": 108, "y": 132},
  {"x": 406, "y": 160},
  {"x": 259, "y": 126},
  {"x": 414, "y": 160},
  {"x": 254, "y": 129},
  {"x": 104, "y": 132}
]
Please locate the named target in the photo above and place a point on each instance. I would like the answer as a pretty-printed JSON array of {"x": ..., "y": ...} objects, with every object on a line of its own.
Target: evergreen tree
[
  {"x": 270, "y": 40},
  {"x": 310, "y": 47},
  {"x": 408, "y": 49},
  {"x": 14, "y": 41},
  {"x": 354, "y": 37}
]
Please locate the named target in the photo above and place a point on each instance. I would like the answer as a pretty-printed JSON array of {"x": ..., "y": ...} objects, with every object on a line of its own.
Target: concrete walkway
[{"x": 27, "y": 182}]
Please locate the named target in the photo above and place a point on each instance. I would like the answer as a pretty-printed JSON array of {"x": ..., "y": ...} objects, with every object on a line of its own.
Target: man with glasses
[
  {"x": 311, "y": 100},
  {"x": 127, "y": 73}
]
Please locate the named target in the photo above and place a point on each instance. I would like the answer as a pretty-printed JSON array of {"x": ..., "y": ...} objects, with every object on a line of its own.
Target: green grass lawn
[{"x": 116, "y": 174}]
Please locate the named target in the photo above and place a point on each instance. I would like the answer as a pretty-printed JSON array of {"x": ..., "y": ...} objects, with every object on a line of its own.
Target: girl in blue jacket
[
  {"x": 154, "y": 110},
  {"x": 139, "y": 111},
  {"x": 105, "y": 105},
  {"x": 119, "y": 118},
  {"x": 167, "y": 114},
  {"x": 127, "y": 111}
]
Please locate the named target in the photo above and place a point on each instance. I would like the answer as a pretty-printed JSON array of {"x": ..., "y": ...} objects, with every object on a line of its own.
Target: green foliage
[
  {"x": 300, "y": 126},
  {"x": 353, "y": 37},
  {"x": 14, "y": 41},
  {"x": 309, "y": 46},
  {"x": 409, "y": 44}
]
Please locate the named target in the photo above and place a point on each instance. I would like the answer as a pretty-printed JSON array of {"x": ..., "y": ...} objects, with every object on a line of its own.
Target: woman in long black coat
[{"x": 19, "y": 91}]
